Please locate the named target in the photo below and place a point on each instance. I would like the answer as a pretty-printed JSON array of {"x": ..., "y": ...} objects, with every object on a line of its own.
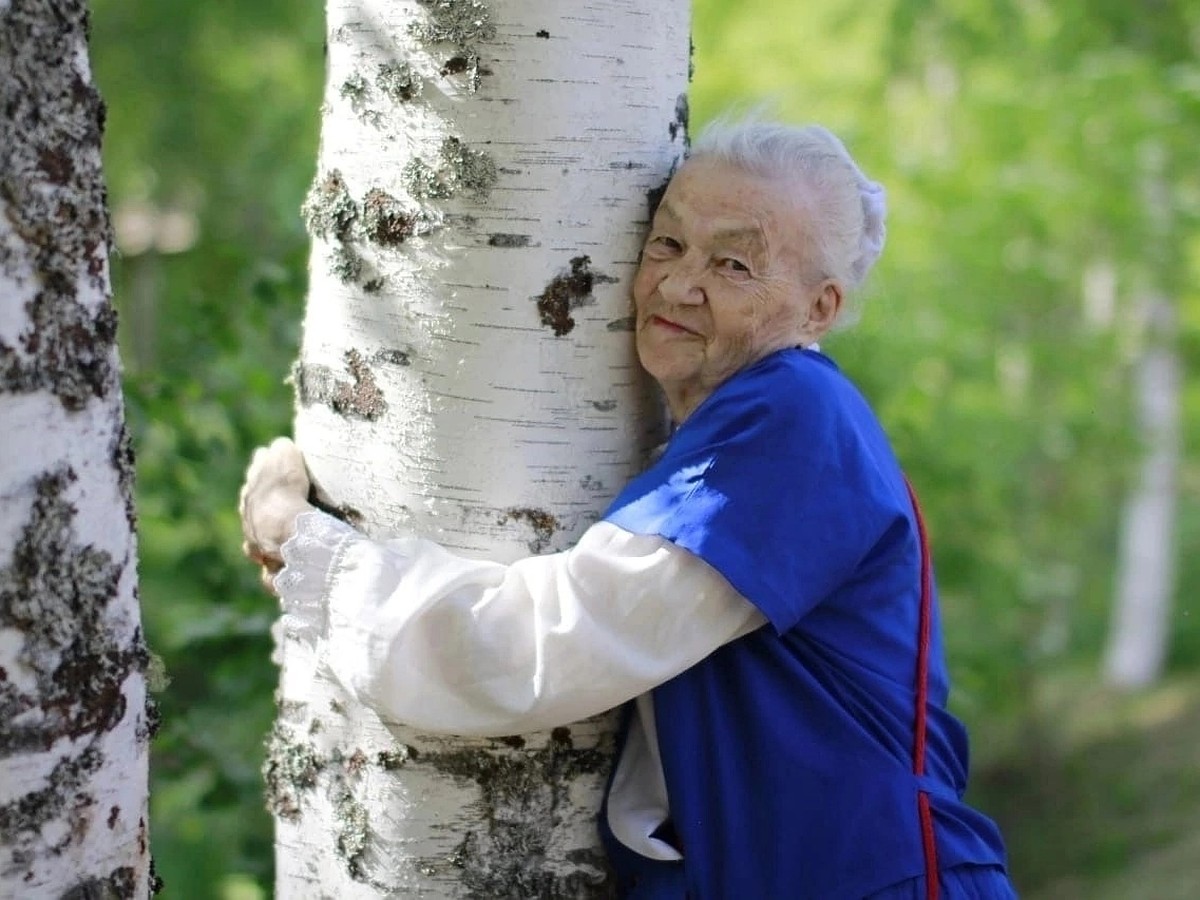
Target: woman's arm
[{"x": 464, "y": 646}]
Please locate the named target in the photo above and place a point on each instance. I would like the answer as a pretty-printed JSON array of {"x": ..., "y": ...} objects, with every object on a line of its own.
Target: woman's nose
[{"x": 682, "y": 286}]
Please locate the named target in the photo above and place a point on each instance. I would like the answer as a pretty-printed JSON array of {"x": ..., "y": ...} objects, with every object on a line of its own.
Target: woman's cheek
[{"x": 643, "y": 283}]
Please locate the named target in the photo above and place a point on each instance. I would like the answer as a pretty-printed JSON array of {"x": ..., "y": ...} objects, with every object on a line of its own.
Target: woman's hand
[{"x": 275, "y": 492}]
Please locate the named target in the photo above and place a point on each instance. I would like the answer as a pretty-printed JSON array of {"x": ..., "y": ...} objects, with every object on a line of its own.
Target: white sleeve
[{"x": 463, "y": 646}]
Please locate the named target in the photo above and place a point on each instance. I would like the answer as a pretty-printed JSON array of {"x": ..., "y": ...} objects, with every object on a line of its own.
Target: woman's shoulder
[
  {"x": 794, "y": 375},
  {"x": 788, "y": 387}
]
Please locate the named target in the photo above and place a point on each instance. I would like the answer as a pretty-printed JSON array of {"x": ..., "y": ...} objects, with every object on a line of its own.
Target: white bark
[
  {"x": 1146, "y": 556},
  {"x": 1146, "y": 559},
  {"x": 73, "y": 740},
  {"x": 467, "y": 371}
]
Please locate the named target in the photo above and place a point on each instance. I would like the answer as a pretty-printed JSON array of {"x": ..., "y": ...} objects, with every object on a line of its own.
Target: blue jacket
[{"x": 796, "y": 760}]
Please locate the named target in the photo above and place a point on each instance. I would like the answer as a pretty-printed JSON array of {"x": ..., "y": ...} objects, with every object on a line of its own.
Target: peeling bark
[
  {"x": 499, "y": 210},
  {"x": 76, "y": 718}
]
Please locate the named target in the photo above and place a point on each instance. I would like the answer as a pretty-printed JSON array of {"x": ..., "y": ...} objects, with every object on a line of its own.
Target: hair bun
[{"x": 870, "y": 246}]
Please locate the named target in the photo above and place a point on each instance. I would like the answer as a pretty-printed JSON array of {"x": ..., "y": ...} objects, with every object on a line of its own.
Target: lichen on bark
[
  {"x": 289, "y": 769},
  {"x": 457, "y": 169},
  {"x": 520, "y": 791},
  {"x": 53, "y": 199},
  {"x": 68, "y": 350},
  {"x": 56, "y": 592},
  {"x": 359, "y": 398},
  {"x": 385, "y": 221},
  {"x": 351, "y": 832},
  {"x": 66, "y": 791},
  {"x": 544, "y": 525},
  {"x": 346, "y": 264},
  {"x": 398, "y": 80},
  {"x": 329, "y": 209},
  {"x": 354, "y": 88},
  {"x": 120, "y": 884},
  {"x": 462, "y": 24}
]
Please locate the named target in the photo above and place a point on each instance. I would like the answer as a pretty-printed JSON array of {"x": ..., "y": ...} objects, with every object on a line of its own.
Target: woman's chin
[{"x": 668, "y": 372}]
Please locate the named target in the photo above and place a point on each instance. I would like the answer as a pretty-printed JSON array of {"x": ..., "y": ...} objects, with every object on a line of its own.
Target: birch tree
[
  {"x": 73, "y": 745},
  {"x": 1140, "y": 632},
  {"x": 467, "y": 371}
]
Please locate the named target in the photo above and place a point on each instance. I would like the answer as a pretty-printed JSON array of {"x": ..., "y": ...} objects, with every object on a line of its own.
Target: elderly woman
[{"x": 763, "y": 592}]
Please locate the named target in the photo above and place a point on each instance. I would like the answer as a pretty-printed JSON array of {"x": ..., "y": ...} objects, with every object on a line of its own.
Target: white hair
[{"x": 848, "y": 207}]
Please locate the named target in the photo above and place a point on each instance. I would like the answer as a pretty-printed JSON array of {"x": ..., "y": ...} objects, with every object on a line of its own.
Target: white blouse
[{"x": 463, "y": 646}]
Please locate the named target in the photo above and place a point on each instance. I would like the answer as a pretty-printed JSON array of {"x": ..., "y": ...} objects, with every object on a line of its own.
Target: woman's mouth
[{"x": 669, "y": 325}]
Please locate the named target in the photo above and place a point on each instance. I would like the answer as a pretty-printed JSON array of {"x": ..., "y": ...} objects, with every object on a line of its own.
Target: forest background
[{"x": 1041, "y": 162}]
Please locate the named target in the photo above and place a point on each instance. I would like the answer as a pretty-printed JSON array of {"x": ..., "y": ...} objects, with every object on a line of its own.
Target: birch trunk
[
  {"x": 1139, "y": 633},
  {"x": 74, "y": 732},
  {"x": 467, "y": 371},
  {"x": 1146, "y": 560}
]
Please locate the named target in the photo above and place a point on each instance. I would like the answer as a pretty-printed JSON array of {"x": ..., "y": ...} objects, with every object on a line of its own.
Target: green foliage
[
  {"x": 212, "y": 119},
  {"x": 1017, "y": 140},
  {"x": 1020, "y": 143}
]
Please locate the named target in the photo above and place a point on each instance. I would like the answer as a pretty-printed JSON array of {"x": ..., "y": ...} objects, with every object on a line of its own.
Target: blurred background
[{"x": 1026, "y": 341}]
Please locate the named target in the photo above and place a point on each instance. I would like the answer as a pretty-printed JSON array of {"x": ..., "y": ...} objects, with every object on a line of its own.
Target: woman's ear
[{"x": 823, "y": 310}]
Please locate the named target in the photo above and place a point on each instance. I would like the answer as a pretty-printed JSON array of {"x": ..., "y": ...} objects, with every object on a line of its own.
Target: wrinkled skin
[{"x": 725, "y": 279}]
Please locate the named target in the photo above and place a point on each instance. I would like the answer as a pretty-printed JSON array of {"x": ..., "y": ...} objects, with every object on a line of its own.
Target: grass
[{"x": 1102, "y": 799}]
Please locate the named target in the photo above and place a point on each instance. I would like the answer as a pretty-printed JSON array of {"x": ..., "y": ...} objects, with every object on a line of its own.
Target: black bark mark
[
  {"x": 628, "y": 323},
  {"x": 500, "y": 239},
  {"x": 654, "y": 198},
  {"x": 679, "y": 125},
  {"x": 343, "y": 511},
  {"x": 122, "y": 457},
  {"x": 566, "y": 292}
]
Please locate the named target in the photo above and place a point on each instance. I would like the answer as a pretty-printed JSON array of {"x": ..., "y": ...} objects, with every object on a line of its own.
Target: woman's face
[{"x": 724, "y": 280}]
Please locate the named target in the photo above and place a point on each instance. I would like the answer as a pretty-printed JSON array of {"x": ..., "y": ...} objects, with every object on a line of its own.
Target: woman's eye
[
  {"x": 735, "y": 265},
  {"x": 667, "y": 243}
]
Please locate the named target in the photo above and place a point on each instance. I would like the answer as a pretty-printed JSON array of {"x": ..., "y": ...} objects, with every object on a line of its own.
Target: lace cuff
[{"x": 309, "y": 559}]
